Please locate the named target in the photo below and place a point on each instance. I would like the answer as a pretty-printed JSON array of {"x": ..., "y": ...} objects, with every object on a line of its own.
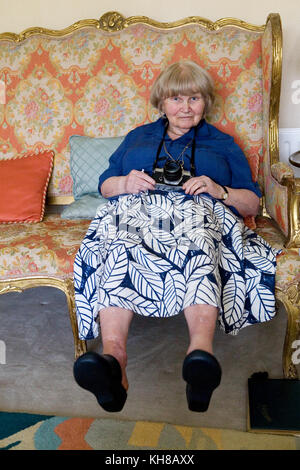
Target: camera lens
[{"x": 172, "y": 171}]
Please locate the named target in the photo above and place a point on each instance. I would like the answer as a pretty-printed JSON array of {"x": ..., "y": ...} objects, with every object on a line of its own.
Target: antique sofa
[{"x": 67, "y": 99}]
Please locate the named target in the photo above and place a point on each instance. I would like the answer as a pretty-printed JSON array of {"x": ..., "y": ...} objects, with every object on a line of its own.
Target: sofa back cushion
[{"x": 88, "y": 159}]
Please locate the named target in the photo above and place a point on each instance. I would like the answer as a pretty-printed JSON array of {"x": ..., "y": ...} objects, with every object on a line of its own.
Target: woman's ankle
[{"x": 118, "y": 352}]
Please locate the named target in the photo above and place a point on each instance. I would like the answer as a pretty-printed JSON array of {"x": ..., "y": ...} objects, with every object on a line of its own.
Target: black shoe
[
  {"x": 202, "y": 372},
  {"x": 101, "y": 374}
]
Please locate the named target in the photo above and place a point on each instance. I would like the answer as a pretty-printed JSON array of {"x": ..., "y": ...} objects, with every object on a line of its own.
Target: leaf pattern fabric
[{"x": 161, "y": 251}]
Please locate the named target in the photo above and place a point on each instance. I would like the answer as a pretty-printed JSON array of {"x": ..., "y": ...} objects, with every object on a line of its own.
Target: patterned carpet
[{"x": 24, "y": 431}]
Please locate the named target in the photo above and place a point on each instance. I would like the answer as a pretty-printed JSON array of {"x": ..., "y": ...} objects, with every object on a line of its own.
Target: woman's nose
[{"x": 185, "y": 105}]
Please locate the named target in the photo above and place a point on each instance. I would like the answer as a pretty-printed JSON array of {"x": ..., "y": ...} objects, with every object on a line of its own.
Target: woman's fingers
[
  {"x": 202, "y": 184},
  {"x": 144, "y": 176},
  {"x": 138, "y": 181},
  {"x": 196, "y": 185}
]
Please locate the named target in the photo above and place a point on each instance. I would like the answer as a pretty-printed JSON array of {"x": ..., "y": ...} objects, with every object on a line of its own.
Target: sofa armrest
[
  {"x": 282, "y": 201},
  {"x": 293, "y": 186},
  {"x": 281, "y": 170}
]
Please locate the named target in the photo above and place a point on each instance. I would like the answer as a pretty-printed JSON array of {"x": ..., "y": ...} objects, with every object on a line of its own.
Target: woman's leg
[
  {"x": 200, "y": 368},
  {"x": 201, "y": 321},
  {"x": 114, "y": 326}
]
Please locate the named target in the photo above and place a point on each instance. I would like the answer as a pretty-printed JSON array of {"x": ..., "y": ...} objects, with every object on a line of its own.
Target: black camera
[{"x": 172, "y": 174}]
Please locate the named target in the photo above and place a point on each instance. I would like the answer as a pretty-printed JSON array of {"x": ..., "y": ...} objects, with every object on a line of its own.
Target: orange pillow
[{"x": 23, "y": 186}]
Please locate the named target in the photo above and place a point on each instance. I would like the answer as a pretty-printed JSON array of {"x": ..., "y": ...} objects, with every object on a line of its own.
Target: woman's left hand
[{"x": 202, "y": 184}]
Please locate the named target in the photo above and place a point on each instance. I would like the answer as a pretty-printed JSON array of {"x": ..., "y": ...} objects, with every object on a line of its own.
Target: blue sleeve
[
  {"x": 240, "y": 170},
  {"x": 115, "y": 163}
]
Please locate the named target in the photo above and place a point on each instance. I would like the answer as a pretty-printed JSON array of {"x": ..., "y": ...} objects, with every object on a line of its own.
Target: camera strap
[
  {"x": 161, "y": 144},
  {"x": 157, "y": 159}
]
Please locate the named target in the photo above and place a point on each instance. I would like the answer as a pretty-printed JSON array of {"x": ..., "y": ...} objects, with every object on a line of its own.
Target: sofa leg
[
  {"x": 66, "y": 285},
  {"x": 79, "y": 345},
  {"x": 291, "y": 301}
]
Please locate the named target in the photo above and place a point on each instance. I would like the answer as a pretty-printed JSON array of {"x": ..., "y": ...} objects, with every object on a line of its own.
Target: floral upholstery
[
  {"x": 89, "y": 83},
  {"x": 281, "y": 170},
  {"x": 288, "y": 262},
  {"x": 44, "y": 249}
]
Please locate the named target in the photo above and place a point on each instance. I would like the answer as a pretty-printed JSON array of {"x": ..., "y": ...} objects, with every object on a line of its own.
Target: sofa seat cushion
[
  {"x": 266, "y": 228},
  {"x": 47, "y": 248},
  {"x": 288, "y": 262}
]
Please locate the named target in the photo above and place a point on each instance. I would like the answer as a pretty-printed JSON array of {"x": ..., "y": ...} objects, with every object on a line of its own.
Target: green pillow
[
  {"x": 83, "y": 208},
  {"x": 88, "y": 160}
]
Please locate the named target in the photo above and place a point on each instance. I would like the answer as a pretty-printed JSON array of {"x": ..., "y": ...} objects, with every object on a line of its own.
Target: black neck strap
[
  {"x": 193, "y": 148},
  {"x": 166, "y": 125}
]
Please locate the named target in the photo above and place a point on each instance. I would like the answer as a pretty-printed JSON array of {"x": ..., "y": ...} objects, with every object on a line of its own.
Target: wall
[{"x": 17, "y": 15}]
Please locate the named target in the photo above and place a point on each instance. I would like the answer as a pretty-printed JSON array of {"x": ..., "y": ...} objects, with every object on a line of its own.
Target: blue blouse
[{"x": 216, "y": 155}]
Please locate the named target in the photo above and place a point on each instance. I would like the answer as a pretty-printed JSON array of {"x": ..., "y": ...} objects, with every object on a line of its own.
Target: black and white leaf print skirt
[{"x": 160, "y": 251}]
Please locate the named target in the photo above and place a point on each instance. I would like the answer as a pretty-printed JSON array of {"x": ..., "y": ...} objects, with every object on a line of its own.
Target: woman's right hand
[
  {"x": 133, "y": 183},
  {"x": 137, "y": 181}
]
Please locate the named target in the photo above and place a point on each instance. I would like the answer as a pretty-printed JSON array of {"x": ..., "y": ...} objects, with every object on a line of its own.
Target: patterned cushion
[
  {"x": 49, "y": 249},
  {"x": 89, "y": 158},
  {"x": 83, "y": 208}
]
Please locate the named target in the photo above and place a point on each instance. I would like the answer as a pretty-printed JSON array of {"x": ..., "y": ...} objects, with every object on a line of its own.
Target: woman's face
[{"x": 183, "y": 112}]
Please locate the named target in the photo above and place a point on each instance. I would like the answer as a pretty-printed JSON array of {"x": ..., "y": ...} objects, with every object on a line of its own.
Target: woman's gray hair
[{"x": 183, "y": 78}]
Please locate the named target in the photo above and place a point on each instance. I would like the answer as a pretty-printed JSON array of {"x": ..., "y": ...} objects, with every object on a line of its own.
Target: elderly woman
[{"x": 171, "y": 238}]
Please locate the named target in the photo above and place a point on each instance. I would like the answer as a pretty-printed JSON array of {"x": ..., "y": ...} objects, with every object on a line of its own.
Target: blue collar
[{"x": 158, "y": 127}]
